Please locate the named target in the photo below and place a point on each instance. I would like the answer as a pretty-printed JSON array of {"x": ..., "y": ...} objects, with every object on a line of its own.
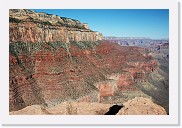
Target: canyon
[{"x": 57, "y": 61}]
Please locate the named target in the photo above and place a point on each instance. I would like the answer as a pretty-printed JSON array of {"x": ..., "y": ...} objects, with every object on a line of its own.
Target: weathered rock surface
[
  {"x": 52, "y": 62},
  {"x": 136, "y": 106},
  {"x": 31, "y": 110},
  {"x": 141, "y": 106},
  {"x": 29, "y": 26},
  {"x": 66, "y": 108},
  {"x": 50, "y": 77}
]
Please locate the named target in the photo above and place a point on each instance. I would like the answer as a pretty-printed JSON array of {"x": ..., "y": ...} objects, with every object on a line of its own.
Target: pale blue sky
[{"x": 152, "y": 23}]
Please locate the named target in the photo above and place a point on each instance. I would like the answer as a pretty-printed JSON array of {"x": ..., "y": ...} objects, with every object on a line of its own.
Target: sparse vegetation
[
  {"x": 57, "y": 45},
  {"x": 29, "y": 48},
  {"x": 14, "y": 20},
  {"x": 60, "y": 23},
  {"x": 84, "y": 44},
  {"x": 46, "y": 23},
  {"x": 79, "y": 26}
]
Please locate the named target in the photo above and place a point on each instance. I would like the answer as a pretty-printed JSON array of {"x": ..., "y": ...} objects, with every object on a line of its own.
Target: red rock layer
[
  {"x": 55, "y": 76},
  {"x": 54, "y": 59}
]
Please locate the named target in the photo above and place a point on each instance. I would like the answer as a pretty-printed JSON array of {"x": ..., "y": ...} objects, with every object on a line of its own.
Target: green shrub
[
  {"x": 60, "y": 23},
  {"x": 14, "y": 20},
  {"x": 46, "y": 23},
  {"x": 57, "y": 45},
  {"x": 84, "y": 44},
  {"x": 79, "y": 26}
]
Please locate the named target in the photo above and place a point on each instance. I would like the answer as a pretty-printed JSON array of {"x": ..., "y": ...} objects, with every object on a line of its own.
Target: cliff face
[
  {"x": 29, "y": 26},
  {"x": 55, "y": 59}
]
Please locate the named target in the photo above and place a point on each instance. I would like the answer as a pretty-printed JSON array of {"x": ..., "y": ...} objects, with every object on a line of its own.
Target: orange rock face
[
  {"x": 141, "y": 106},
  {"x": 49, "y": 65},
  {"x": 28, "y": 26}
]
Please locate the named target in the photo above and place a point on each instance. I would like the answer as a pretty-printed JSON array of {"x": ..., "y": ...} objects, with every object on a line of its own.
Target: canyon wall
[
  {"x": 29, "y": 26},
  {"x": 55, "y": 59}
]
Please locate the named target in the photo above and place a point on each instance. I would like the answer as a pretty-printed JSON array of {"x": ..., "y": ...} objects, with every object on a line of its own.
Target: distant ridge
[{"x": 131, "y": 38}]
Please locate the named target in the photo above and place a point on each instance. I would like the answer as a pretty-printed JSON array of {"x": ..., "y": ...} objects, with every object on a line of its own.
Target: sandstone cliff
[
  {"x": 29, "y": 26},
  {"x": 55, "y": 59}
]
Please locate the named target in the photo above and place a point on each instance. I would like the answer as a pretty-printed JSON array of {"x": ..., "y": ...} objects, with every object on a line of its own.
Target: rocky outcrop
[
  {"x": 136, "y": 106},
  {"x": 141, "y": 106},
  {"x": 55, "y": 59},
  {"x": 31, "y": 110},
  {"x": 29, "y": 26}
]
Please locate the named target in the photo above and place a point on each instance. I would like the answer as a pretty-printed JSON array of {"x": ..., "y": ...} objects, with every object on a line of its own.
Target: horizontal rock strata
[{"x": 55, "y": 59}]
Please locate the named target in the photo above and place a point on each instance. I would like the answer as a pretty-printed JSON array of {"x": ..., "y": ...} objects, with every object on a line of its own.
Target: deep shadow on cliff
[{"x": 114, "y": 110}]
